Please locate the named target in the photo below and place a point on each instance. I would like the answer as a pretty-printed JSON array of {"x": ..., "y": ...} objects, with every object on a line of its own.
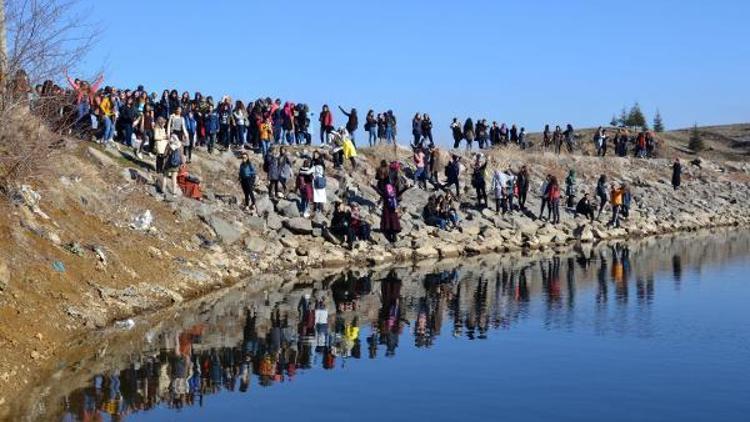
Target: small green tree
[
  {"x": 696, "y": 140},
  {"x": 635, "y": 117},
  {"x": 658, "y": 123},
  {"x": 614, "y": 121},
  {"x": 623, "y": 119}
]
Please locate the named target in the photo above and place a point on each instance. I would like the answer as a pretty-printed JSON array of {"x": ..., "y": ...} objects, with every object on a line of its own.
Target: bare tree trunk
[{"x": 3, "y": 43}]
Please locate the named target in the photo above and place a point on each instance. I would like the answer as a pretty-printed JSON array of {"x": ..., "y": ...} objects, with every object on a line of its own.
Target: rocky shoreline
[{"x": 84, "y": 255}]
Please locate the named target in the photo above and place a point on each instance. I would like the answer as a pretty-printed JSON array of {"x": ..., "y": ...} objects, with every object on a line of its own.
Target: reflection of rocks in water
[{"x": 267, "y": 333}]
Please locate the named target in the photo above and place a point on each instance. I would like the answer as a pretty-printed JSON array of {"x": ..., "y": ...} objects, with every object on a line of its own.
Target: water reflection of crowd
[{"x": 278, "y": 341}]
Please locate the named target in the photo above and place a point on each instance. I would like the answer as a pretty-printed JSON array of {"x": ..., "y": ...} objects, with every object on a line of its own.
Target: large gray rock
[
  {"x": 224, "y": 230},
  {"x": 263, "y": 205},
  {"x": 255, "y": 244},
  {"x": 287, "y": 208},
  {"x": 299, "y": 225},
  {"x": 256, "y": 223},
  {"x": 273, "y": 221}
]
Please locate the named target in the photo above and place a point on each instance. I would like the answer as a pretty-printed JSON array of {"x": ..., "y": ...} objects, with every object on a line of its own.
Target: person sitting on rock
[
  {"x": 585, "y": 208},
  {"x": 447, "y": 209},
  {"x": 341, "y": 223},
  {"x": 431, "y": 214},
  {"x": 360, "y": 228}
]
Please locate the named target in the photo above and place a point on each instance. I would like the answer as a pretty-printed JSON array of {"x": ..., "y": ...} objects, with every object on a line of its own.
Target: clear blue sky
[{"x": 528, "y": 62}]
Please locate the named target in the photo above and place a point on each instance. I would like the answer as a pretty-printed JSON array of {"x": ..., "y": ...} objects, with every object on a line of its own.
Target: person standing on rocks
[
  {"x": 478, "y": 180},
  {"x": 469, "y": 133},
  {"x": 390, "y": 221},
  {"x": 285, "y": 169},
  {"x": 569, "y": 135},
  {"x": 420, "y": 174},
  {"x": 458, "y": 134},
  {"x": 601, "y": 193},
  {"x": 416, "y": 130},
  {"x": 616, "y": 195},
  {"x": 427, "y": 129},
  {"x": 349, "y": 148},
  {"x": 271, "y": 167},
  {"x": 557, "y": 139},
  {"x": 544, "y": 196},
  {"x": 570, "y": 189},
  {"x": 160, "y": 143},
  {"x": 247, "y": 181},
  {"x": 546, "y": 137},
  {"x": 498, "y": 187},
  {"x": 554, "y": 199},
  {"x": 371, "y": 127},
  {"x": 211, "y": 120},
  {"x": 352, "y": 122},
  {"x": 266, "y": 134},
  {"x": 676, "y": 174},
  {"x": 319, "y": 182},
  {"x": 326, "y": 124},
  {"x": 437, "y": 164},
  {"x": 522, "y": 181},
  {"x": 452, "y": 173},
  {"x": 305, "y": 186},
  {"x": 174, "y": 160}
]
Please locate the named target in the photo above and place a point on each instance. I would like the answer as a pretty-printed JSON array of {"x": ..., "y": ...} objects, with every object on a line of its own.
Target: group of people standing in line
[{"x": 487, "y": 135}]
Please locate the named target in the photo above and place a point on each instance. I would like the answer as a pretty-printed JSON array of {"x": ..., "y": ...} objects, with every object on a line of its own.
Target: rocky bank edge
[{"x": 95, "y": 241}]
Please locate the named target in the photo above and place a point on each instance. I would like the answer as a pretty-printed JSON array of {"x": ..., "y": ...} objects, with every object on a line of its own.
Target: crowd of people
[{"x": 172, "y": 126}]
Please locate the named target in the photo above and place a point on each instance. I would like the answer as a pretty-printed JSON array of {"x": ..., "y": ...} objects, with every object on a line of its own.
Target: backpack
[
  {"x": 319, "y": 182},
  {"x": 390, "y": 193},
  {"x": 174, "y": 159}
]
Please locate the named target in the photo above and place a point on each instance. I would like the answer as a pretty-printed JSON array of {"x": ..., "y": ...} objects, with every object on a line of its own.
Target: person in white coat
[{"x": 319, "y": 182}]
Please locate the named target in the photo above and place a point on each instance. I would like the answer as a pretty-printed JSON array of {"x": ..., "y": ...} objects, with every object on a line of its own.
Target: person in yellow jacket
[
  {"x": 350, "y": 151},
  {"x": 615, "y": 196},
  {"x": 107, "y": 109}
]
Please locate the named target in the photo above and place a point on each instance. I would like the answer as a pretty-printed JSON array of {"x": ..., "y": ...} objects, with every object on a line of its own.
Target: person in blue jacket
[{"x": 247, "y": 181}]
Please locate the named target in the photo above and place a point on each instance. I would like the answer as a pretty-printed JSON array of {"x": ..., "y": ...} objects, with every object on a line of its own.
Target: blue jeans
[
  {"x": 108, "y": 130},
  {"x": 437, "y": 222},
  {"x": 241, "y": 130},
  {"x": 276, "y": 134},
  {"x": 83, "y": 110},
  {"x": 388, "y": 134},
  {"x": 265, "y": 145},
  {"x": 373, "y": 137},
  {"x": 289, "y": 136}
]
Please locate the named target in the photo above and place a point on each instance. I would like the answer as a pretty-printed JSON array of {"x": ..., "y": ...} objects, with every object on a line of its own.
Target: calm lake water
[{"x": 648, "y": 331}]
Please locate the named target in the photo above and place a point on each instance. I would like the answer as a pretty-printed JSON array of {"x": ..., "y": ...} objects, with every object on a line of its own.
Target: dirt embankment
[{"x": 94, "y": 242}]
